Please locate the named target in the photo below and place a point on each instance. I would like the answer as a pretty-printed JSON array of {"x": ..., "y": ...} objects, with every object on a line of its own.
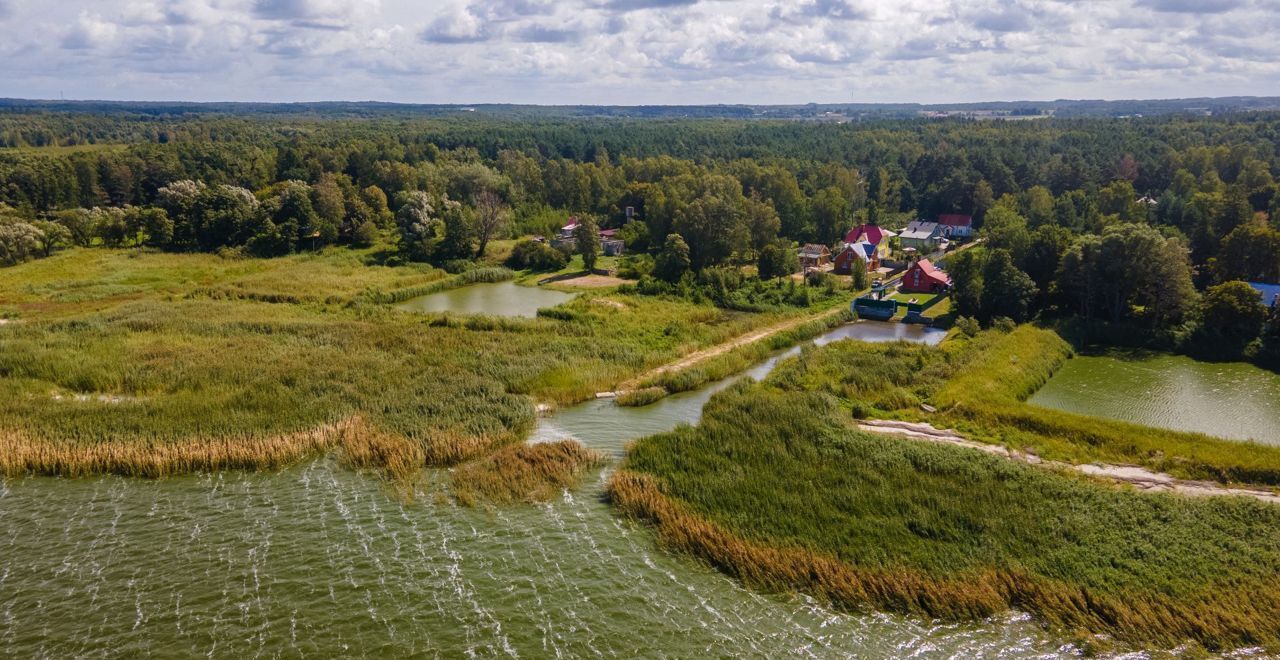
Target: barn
[{"x": 924, "y": 277}]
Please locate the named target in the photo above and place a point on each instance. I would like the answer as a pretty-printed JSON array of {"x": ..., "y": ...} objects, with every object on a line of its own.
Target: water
[
  {"x": 499, "y": 299},
  {"x": 874, "y": 331},
  {"x": 1230, "y": 400},
  {"x": 317, "y": 560},
  {"x": 602, "y": 425}
]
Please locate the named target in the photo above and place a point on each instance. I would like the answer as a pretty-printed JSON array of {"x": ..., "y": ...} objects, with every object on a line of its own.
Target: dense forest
[{"x": 1143, "y": 227}]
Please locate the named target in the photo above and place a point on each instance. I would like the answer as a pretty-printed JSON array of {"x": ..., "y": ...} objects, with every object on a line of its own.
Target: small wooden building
[{"x": 813, "y": 255}]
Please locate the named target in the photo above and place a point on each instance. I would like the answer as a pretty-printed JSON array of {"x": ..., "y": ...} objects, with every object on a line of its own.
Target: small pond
[
  {"x": 1229, "y": 400},
  {"x": 498, "y": 299}
]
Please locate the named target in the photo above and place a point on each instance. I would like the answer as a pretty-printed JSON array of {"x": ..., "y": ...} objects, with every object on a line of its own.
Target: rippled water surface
[
  {"x": 317, "y": 560},
  {"x": 1230, "y": 400}
]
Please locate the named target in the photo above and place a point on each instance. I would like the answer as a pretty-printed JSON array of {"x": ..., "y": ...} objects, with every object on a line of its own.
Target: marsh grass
[
  {"x": 797, "y": 499},
  {"x": 980, "y": 385},
  {"x": 743, "y": 357},
  {"x": 641, "y": 397},
  {"x": 135, "y": 375},
  {"x": 987, "y": 399},
  {"x": 523, "y": 473}
]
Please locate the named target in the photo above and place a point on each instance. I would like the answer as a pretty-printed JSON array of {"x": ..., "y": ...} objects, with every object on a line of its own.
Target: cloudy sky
[{"x": 637, "y": 51}]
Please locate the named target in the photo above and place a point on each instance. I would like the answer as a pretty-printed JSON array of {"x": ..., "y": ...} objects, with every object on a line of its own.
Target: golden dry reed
[
  {"x": 361, "y": 445},
  {"x": 1221, "y": 618},
  {"x": 523, "y": 473}
]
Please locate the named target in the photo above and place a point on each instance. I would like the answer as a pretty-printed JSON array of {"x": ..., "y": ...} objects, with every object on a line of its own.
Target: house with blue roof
[{"x": 861, "y": 254}]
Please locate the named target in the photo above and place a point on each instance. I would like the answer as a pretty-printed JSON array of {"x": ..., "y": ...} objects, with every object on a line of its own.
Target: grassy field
[
  {"x": 142, "y": 363},
  {"x": 798, "y": 498}
]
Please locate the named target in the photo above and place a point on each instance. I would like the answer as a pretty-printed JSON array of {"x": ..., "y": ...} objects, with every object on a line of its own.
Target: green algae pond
[
  {"x": 497, "y": 299},
  {"x": 1233, "y": 400}
]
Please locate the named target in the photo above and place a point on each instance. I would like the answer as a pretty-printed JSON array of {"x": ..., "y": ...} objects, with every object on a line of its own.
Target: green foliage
[
  {"x": 777, "y": 259},
  {"x": 19, "y": 241},
  {"x": 730, "y": 289},
  {"x": 434, "y": 229},
  {"x": 1233, "y": 312},
  {"x": 636, "y": 266},
  {"x": 1251, "y": 252},
  {"x": 537, "y": 256},
  {"x": 1007, "y": 291},
  {"x": 641, "y": 397},
  {"x": 968, "y": 326},
  {"x": 1130, "y": 273},
  {"x": 587, "y": 242},
  {"x": 673, "y": 261}
]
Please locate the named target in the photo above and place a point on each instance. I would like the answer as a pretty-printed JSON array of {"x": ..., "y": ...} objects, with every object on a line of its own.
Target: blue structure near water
[{"x": 1270, "y": 293}]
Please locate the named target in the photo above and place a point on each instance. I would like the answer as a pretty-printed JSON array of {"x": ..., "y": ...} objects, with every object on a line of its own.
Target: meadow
[
  {"x": 141, "y": 363},
  {"x": 801, "y": 499}
]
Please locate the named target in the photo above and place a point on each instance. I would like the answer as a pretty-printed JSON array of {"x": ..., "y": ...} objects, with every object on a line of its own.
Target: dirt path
[
  {"x": 1140, "y": 478},
  {"x": 720, "y": 349}
]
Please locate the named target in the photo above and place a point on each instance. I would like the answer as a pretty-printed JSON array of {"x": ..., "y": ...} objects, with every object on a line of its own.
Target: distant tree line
[{"x": 1127, "y": 222}]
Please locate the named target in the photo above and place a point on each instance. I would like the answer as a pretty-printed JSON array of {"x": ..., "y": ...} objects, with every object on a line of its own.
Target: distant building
[
  {"x": 814, "y": 256},
  {"x": 955, "y": 225},
  {"x": 857, "y": 255},
  {"x": 921, "y": 235},
  {"x": 568, "y": 230},
  {"x": 924, "y": 277},
  {"x": 610, "y": 244}
]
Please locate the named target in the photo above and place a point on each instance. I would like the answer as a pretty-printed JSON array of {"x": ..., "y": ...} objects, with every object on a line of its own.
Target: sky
[{"x": 636, "y": 52}]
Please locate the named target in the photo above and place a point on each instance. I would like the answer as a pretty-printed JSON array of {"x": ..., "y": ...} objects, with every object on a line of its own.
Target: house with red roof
[
  {"x": 856, "y": 255},
  {"x": 955, "y": 225},
  {"x": 924, "y": 277},
  {"x": 873, "y": 234}
]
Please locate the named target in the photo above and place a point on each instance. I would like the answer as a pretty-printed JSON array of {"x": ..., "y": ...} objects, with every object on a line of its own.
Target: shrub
[
  {"x": 537, "y": 256},
  {"x": 968, "y": 326},
  {"x": 635, "y": 266}
]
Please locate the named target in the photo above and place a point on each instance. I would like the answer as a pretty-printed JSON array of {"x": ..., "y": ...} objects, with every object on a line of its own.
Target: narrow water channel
[{"x": 317, "y": 560}]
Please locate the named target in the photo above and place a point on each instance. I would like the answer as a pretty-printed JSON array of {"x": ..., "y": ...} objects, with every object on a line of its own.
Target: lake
[
  {"x": 497, "y": 299},
  {"x": 1230, "y": 400},
  {"x": 318, "y": 560}
]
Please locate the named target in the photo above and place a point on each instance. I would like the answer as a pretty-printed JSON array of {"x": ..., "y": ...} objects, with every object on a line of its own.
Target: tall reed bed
[
  {"x": 773, "y": 487},
  {"x": 488, "y": 275}
]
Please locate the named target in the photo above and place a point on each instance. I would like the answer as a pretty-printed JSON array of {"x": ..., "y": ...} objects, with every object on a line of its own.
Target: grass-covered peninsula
[
  {"x": 799, "y": 498},
  {"x": 142, "y": 363}
]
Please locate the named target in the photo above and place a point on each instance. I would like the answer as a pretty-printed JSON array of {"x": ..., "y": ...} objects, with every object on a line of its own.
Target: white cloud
[
  {"x": 89, "y": 32},
  {"x": 638, "y": 51}
]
